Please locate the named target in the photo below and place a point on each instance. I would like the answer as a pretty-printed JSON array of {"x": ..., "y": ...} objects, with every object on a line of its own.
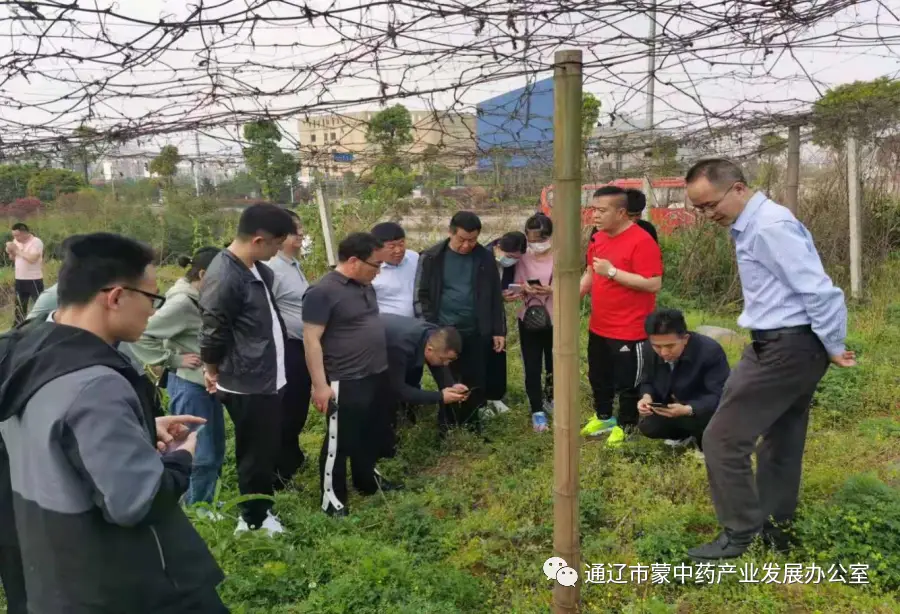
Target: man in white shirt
[
  {"x": 28, "y": 252},
  {"x": 396, "y": 283}
]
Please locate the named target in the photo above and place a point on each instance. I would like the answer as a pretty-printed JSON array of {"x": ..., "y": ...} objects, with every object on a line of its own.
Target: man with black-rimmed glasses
[{"x": 346, "y": 354}]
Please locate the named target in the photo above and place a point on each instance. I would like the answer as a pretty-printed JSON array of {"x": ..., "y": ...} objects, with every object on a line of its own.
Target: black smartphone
[
  {"x": 657, "y": 405},
  {"x": 534, "y": 282}
]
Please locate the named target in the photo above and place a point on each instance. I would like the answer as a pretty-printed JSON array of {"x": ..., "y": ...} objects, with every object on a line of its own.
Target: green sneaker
[
  {"x": 616, "y": 437},
  {"x": 596, "y": 426}
]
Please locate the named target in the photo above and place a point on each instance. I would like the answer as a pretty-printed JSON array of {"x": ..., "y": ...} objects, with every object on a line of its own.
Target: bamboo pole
[
  {"x": 791, "y": 197},
  {"x": 567, "y": 269},
  {"x": 853, "y": 198},
  {"x": 327, "y": 228}
]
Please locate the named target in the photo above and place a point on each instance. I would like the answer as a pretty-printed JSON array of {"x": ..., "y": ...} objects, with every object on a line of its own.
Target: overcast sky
[{"x": 333, "y": 63}]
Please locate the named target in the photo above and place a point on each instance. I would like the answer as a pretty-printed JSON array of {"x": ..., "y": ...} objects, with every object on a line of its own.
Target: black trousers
[
  {"x": 257, "y": 442},
  {"x": 13, "y": 576},
  {"x": 495, "y": 366},
  {"x": 355, "y": 431},
  {"x": 295, "y": 410},
  {"x": 682, "y": 427},
  {"x": 414, "y": 379},
  {"x": 768, "y": 394},
  {"x": 206, "y": 601},
  {"x": 537, "y": 351},
  {"x": 470, "y": 368},
  {"x": 614, "y": 367},
  {"x": 27, "y": 290}
]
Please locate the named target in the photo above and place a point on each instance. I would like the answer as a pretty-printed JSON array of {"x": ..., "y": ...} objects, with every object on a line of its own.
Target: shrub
[
  {"x": 49, "y": 183},
  {"x": 21, "y": 207},
  {"x": 861, "y": 524}
]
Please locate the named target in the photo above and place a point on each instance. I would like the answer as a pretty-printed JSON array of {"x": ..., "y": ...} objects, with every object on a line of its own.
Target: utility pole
[
  {"x": 853, "y": 197},
  {"x": 651, "y": 87},
  {"x": 327, "y": 228},
  {"x": 792, "y": 196},
  {"x": 197, "y": 163},
  {"x": 567, "y": 269}
]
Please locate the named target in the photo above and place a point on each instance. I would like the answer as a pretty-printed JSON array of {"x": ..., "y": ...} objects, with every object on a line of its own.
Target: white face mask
[
  {"x": 539, "y": 248},
  {"x": 506, "y": 261}
]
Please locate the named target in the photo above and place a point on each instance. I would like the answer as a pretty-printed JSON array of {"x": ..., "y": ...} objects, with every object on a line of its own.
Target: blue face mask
[{"x": 506, "y": 261}]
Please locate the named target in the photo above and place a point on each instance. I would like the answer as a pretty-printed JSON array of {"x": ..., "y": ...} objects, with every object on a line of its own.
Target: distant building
[
  {"x": 335, "y": 143},
  {"x": 515, "y": 129},
  {"x": 621, "y": 144}
]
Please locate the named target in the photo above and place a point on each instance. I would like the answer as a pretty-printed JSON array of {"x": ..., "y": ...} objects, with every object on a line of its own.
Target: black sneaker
[{"x": 386, "y": 485}]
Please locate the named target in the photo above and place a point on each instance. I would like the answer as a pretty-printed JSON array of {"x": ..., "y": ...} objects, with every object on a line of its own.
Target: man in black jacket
[
  {"x": 637, "y": 202},
  {"x": 457, "y": 284},
  {"x": 682, "y": 384},
  {"x": 411, "y": 344},
  {"x": 242, "y": 341},
  {"x": 110, "y": 534}
]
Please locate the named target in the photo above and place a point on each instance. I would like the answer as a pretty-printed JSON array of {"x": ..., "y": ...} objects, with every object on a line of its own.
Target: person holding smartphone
[
  {"x": 534, "y": 276},
  {"x": 683, "y": 380}
]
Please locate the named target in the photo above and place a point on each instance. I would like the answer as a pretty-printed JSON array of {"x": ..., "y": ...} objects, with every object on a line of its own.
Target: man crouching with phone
[{"x": 683, "y": 383}]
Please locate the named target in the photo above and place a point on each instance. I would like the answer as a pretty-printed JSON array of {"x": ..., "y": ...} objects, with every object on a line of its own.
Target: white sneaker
[
  {"x": 241, "y": 527},
  {"x": 499, "y": 407},
  {"x": 272, "y": 525},
  {"x": 680, "y": 443}
]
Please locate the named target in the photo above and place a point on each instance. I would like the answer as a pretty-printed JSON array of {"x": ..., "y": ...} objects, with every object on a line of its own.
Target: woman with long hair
[{"x": 171, "y": 341}]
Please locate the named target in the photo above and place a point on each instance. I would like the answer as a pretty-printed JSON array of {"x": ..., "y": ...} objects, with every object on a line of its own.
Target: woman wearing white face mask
[
  {"x": 534, "y": 273},
  {"x": 507, "y": 250}
]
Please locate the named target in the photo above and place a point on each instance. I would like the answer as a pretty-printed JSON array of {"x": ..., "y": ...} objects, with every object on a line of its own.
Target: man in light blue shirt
[
  {"x": 394, "y": 285},
  {"x": 798, "y": 322}
]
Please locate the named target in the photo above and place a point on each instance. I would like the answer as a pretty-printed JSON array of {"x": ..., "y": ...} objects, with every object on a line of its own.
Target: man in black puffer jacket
[{"x": 95, "y": 483}]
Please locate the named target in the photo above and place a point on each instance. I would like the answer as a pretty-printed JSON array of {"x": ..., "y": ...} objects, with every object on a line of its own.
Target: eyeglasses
[
  {"x": 710, "y": 206},
  {"x": 156, "y": 299},
  {"x": 371, "y": 264}
]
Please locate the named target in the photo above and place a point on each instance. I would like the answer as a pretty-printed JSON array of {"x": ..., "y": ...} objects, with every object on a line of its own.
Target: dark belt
[{"x": 775, "y": 333}]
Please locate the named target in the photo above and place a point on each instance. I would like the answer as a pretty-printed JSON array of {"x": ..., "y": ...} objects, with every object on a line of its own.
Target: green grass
[{"x": 475, "y": 524}]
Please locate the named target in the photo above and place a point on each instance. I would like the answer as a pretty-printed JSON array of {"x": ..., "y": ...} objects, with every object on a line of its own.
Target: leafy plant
[
  {"x": 165, "y": 165},
  {"x": 268, "y": 164},
  {"x": 864, "y": 108},
  {"x": 49, "y": 183}
]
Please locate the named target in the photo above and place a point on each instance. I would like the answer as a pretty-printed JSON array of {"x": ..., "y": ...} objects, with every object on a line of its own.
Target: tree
[
  {"x": 267, "y": 163},
  {"x": 165, "y": 165},
  {"x": 14, "y": 180},
  {"x": 664, "y": 154},
  {"x": 87, "y": 149},
  {"x": 863, "y": 108},
  {"x": 49, "y": 183},
  {"x": 390, "y": 130},
  {"x": 436, "y": 175},
  {"x": 590, "y": 114}
]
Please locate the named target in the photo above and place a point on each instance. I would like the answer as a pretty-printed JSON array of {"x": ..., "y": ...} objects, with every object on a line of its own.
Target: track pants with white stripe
[
  {"x": 354, "y": 430},
  {"x": 614, "y": 368}
]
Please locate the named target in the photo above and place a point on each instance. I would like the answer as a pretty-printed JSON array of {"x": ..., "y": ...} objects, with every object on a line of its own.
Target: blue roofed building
[{"x": 515, "y": 129}]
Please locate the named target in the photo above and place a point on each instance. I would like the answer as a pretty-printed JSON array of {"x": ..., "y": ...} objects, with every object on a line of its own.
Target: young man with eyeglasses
[
  {"x": 798, "y": 323},
  {"x": 110, "y": 534},
  {"x": 346, "y": 353},
  {"x": 242, "y": 345}
]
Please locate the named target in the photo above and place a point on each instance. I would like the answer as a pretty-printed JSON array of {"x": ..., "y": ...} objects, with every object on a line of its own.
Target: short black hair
[
  {"x": 613, "y": 190},
  {"x": 514, "y": 242},
  {"x": 388, "y": 231},
  {"x": 637, "y": 201},
  {"x": 97, "y": 261},
  {"x": 540, "y": 222},
  {"x": 267, "y": 218},
  {"x": 20, "y": 226},
  {"x": 666, "y": 322},
  {"x": 359, "y": 245},
  {"x": 720, "y": 172},
  {"x": 466, "y": 220},
  {"x": 446, "y": 339},
  {"x": 200, "y": 261}
]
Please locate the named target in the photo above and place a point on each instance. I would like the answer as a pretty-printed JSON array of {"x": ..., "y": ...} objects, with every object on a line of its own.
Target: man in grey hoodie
[{"x": 109, "y": 535}]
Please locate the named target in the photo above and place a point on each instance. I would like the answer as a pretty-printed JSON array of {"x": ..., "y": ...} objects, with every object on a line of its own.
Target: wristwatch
[
  {"x": 690, "y": 411},
  {"x": 612, "y": 272}
]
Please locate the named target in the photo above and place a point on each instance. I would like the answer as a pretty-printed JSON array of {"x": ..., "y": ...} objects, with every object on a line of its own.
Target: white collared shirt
[{"x": 395, "y": 285}]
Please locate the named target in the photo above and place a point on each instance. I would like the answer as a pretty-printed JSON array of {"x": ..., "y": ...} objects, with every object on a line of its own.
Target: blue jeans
[{"x": 188, "y": 398}]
